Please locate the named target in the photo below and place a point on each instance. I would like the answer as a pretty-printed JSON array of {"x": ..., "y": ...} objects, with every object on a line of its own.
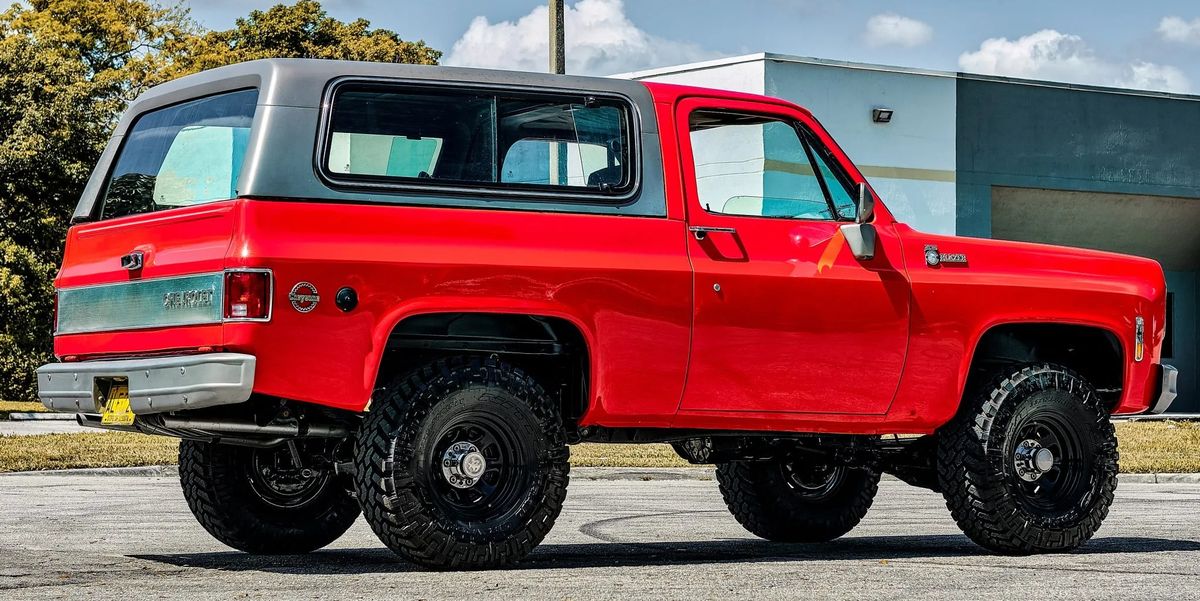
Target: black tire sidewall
[
  {"x": 423, "y": 467},
  {"x": 395, "y": 463},
  {"x": 761, "y": 498},
  {"x": 976, "y": 468},
  {"x": 215, "y": 481},
  {"x": 1002, "y": 444}
]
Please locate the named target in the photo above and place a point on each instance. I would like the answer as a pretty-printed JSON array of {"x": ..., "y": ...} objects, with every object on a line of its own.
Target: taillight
[{"x": 247, "y": 295}]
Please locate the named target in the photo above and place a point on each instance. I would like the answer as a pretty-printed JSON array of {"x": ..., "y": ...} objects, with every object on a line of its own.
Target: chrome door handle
[
  {"x": 133, "y": 261},
  {"x": 702, "y": 231}
]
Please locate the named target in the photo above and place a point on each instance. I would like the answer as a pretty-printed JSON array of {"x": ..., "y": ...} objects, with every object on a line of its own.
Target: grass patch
[
  {"x": 1159, "y": 447},
  {"x": 99, "y": 449},
  {"x": 7, "y": 407},
  {"x": 625, "y": 455},
  {"x": 1146, "y": 447}
]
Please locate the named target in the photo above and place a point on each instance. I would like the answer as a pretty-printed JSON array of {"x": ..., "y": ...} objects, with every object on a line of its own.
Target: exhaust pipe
[{"x": 252, "y": 429}]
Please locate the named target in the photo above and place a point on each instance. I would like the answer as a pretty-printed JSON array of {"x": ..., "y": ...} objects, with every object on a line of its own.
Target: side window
[
  {"x": 185, "y": 154},
  {"x": 456, "y": 137},
  {"x": 762, "y": 166},
  {"x": 549, "y": 162},
  {"x": 376, "y": 154},
  {"x": 573, "y": 145}
]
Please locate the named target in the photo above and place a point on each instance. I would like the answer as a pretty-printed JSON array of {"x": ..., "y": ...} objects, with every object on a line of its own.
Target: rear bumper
[
  {"x": 156, "y": 385},
  {"x": 1167, "y": 389}
]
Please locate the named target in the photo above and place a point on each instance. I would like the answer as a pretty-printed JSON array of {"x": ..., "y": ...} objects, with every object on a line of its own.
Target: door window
[{"x": 763, "y": 166}]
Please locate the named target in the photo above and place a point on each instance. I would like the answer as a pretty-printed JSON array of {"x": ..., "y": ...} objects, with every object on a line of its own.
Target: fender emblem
[
  {"x": 304, "y": 297},
  {"x": 933, "y": 257}
]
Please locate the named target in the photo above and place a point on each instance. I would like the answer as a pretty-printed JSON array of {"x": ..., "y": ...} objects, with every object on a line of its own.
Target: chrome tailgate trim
[{"x": 139, "y": 304}]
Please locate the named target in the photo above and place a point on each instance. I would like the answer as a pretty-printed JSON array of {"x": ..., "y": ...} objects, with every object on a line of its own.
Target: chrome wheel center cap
[
  {"x": 463, "y": 465},
  {"x": 1032, "y": 460}
]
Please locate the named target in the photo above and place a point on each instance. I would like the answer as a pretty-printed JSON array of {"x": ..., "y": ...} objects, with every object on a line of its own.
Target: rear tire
[
  {"x": 462, "y": 464},
  {"x": 1030, "y": 464},
  {"x": 283, "y": 512},
  {"x": 797, "y": 501}
]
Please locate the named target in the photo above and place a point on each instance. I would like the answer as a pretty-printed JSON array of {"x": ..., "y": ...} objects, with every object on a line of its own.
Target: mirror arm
[{"x": 860, "y": 237}]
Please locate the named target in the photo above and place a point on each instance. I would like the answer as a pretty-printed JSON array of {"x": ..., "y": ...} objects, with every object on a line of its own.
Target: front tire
[
  {"x": 1030, "y": 465},
  {"x": 257, "y": 501},
  {"x": 797, "y": 500},
  {"x": 462, "y": 464}
]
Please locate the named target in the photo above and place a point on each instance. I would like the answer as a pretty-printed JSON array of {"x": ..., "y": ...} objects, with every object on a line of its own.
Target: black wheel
[
  {"x": 462, "y": 464},
  {"x": 1030, "y": 465},
  {"x": 797, "y": 500},
  {"x": 260, "y": 501}
]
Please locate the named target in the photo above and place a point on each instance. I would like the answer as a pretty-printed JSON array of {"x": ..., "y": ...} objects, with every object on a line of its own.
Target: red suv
[{"x": 407, "y": 290}]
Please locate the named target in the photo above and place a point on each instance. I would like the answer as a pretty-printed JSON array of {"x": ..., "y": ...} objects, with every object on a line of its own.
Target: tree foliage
[
  {"x": 301, "y": 30},
  {"x": 67, "y": 70}
]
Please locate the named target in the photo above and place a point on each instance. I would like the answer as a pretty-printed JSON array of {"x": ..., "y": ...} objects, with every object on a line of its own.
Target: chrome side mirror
[
  {"x": 866, "y": 204},
  {"x": 860, "y": 235}
]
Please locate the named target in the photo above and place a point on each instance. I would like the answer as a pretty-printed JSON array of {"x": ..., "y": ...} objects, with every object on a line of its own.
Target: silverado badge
[{"x": 304, "y": 297}]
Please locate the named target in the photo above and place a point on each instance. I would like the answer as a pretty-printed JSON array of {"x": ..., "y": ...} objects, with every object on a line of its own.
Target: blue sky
[{"x": 1150, "y": 45}]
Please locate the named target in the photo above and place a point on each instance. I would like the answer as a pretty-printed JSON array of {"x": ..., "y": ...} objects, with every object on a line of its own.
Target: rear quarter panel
[{"x": 624, "y": 281}]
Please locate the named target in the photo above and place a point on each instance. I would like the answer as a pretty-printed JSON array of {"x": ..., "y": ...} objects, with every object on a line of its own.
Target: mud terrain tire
[
  {"x": 424, "y": 491},
  {"x": 1003, "y": 494},
  {"x": 796, "y": 500}
]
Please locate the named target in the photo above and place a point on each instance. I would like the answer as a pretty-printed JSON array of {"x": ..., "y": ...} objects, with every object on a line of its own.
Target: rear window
[
  {"x": 182, "y": 155},
  {"x": 469, "y": 138}
]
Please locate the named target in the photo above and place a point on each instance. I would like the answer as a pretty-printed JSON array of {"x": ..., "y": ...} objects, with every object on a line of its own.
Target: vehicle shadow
[{"x": 621, "y": 554}]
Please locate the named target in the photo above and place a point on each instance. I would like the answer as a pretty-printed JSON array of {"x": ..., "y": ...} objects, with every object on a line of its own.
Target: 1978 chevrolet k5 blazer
[{"x": 404, "y": 291}]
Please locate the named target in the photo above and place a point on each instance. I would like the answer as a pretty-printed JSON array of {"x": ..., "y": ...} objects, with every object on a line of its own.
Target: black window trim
[
  {"x": 541, "y": 194},
  {"x": 811, "y": 143},
  {"x": 97, "y": 211}
]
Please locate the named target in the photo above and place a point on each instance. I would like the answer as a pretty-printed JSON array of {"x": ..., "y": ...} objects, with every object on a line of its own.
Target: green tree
[
  {"x": 67, "y": 70},
  {"x": 301, "y": 30}
]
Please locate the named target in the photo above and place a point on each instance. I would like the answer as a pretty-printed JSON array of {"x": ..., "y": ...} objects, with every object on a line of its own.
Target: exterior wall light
[{"x": 882, "y": 115}]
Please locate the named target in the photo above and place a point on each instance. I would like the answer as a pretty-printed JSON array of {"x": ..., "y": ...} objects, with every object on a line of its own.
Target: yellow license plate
[{"x": 116, "y": 410}]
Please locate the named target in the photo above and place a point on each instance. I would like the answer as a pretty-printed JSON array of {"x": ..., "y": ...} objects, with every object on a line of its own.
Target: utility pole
[
  {"x": 558, "y": 36},
  {"x": 558, "y": 65}
]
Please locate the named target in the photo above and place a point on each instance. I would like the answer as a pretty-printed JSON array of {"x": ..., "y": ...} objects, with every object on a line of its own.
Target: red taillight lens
[{"x": 247, "y": 294}]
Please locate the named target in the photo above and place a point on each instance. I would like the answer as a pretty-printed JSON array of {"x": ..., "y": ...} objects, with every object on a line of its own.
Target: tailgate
[{"x": 107, "y": 305}]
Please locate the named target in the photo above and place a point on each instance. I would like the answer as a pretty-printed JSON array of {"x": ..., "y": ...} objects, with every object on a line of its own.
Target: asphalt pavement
[{"x": 624, "y": 534}]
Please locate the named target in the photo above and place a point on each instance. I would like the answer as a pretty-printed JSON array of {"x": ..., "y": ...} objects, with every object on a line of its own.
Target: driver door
[{"x": 786, "y": 319}]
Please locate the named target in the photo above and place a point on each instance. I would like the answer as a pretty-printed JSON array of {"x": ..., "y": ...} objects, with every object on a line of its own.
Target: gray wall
[
  {"x": 1063, "y": 138},
  {"x": 1036, "y": 136}
]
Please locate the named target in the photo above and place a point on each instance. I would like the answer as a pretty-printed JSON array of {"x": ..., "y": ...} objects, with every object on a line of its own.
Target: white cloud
[
  {"x": 891, "y": 29},
  {"x": 601, "y": 40},
  {"x": 1056, "y": 56},
  {"x": 1175, "y": 29}
]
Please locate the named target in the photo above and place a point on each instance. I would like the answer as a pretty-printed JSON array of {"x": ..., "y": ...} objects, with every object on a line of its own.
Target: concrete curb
[
  {"x": 578, "y": 473},
  {"x": 149, "y": 471},
  {"x": 40, "y": 417},
  {"x": 1161, "y": 478}
]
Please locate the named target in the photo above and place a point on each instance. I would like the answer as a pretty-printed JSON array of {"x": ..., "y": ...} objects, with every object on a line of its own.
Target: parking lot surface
[{"x": 620, "y": 537}]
